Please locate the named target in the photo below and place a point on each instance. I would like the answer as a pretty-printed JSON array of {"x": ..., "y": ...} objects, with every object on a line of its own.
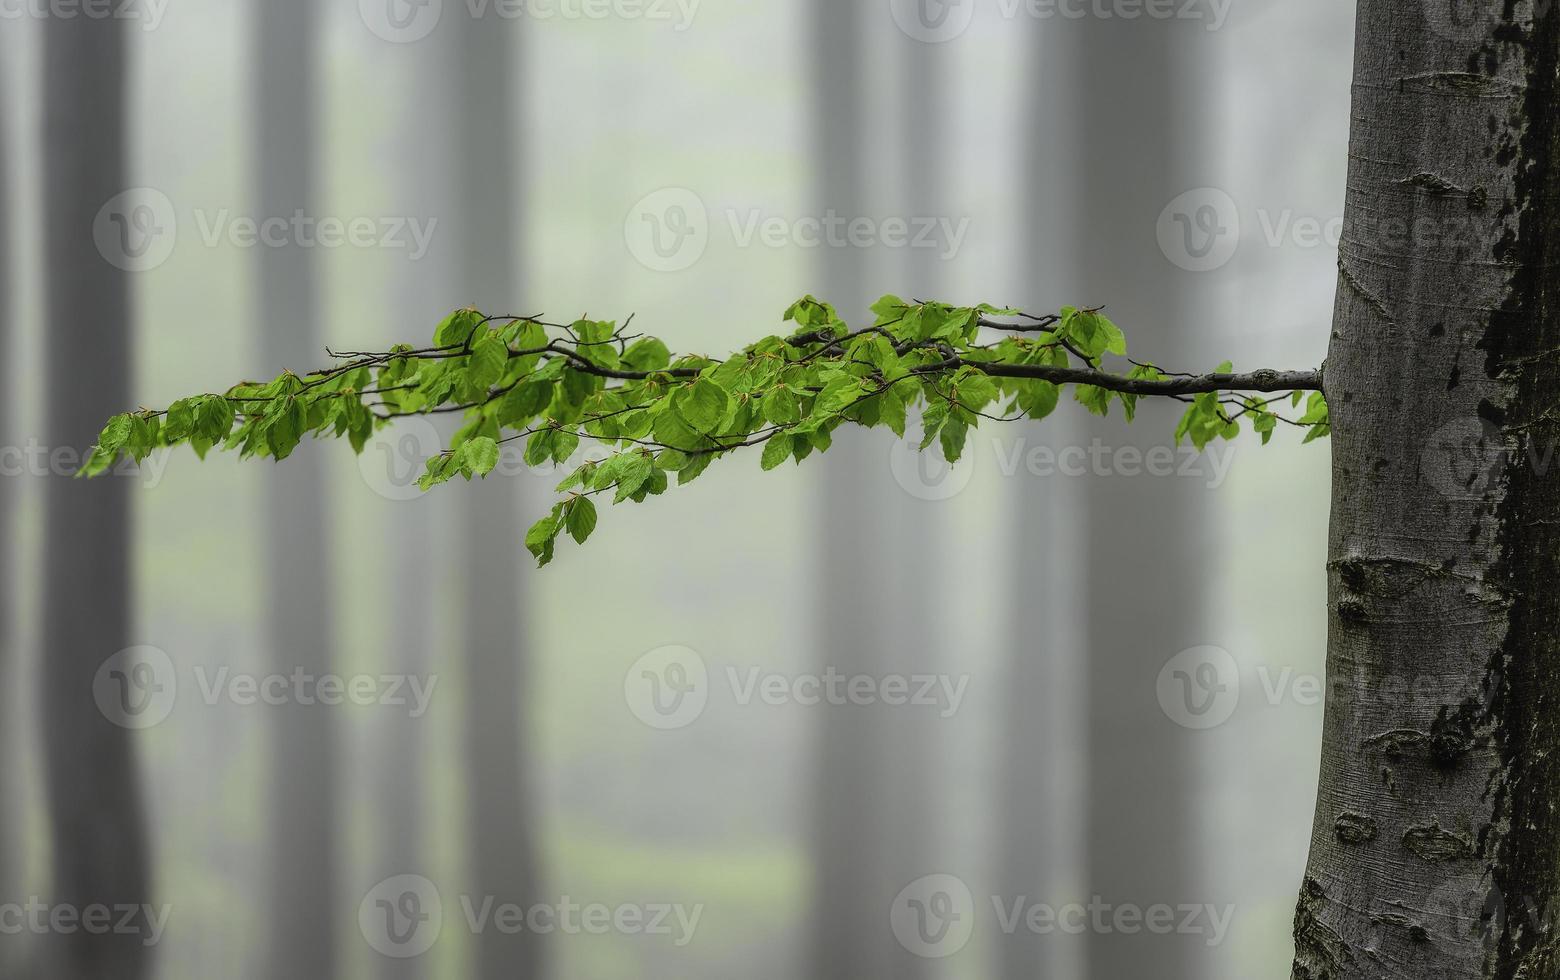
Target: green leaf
[
  {"x": 480, "y": 455},
  {"x": 702, "y": 404},
  {"x": 582, "y": 519},
  {"x": 777, "y": 450}
]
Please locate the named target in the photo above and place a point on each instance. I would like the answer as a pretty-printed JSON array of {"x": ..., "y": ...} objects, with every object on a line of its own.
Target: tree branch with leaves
[{"x": 554, "y": 385}]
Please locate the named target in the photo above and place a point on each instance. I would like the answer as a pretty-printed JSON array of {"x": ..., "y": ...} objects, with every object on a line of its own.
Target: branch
[{"x": 553, "y": 385}]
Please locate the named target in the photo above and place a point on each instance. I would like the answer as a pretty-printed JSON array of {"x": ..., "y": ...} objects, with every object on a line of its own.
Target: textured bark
[
  {"x": 1435, "y": 852},
  {"x": 95, "y": 817},
  {"x": 302, "y": 849},
  {"x": 500, "y": 809}
]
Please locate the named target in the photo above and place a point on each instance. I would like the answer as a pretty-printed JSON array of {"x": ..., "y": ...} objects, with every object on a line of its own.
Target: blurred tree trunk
[
  {"x": 845, "y": 835},
  {"x": 10, "y": 435},
  {"x": 302, "y": 853},
  {"x": 870, "y": 801},
  {"x": 1135, "y": 91},
  {"x": 1435, "y": 853},
  {"x": 95, "y": 816},
  {"x": 1040, "y": 820},
  {"x": 420, "y": 295},
  {"x": 500, "y": 809}
]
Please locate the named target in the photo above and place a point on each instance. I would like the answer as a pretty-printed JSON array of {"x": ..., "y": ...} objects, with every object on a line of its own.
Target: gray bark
[
  {"x": 500, "y": 807},
  {"x": 95, "y": 812},
  {"x": 302, "y": 850},
  {"x": 1436, "y": 852}
]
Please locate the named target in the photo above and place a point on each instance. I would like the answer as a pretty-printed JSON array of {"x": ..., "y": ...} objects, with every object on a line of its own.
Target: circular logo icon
[
  {"x": 1199, "y": 688},
  {"x": 933, "y": 916},
  {"x": 401, "y": 916},
  {"x": 136, "y": 230},
  {"x": 668, "y": 230},
  {"x": 401, "y": 21},
  {"x": 395, "y": 457},
  {"x": 668, "y": 687},
  {"x": 136, "y": 687},
  {"x": 1461, "y": 19},
  {"x": 1464, "y": 459},
  {"x": 1200, "y": 230},
  {"x": 932, "y": 21},
  {"x": 925, "y": 475}
]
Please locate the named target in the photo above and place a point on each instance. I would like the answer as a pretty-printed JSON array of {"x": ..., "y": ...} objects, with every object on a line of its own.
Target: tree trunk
[
  {"x": 1436, "y": 850},
  {"x": 1134, "y": 90},
  {"x": 500, "y": 810},
  {"x": 1039, "y": 823},
  {"x": 94, "y": 807},
  {"x": 302, "y": 852}
]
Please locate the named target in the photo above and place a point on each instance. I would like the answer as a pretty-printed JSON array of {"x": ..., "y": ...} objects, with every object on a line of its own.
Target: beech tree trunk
[
  {"x": 501, "y": 811},
  {"x": 1436, "y": 850},
  {"x": 302, "y": 849},
  {"x": 96, "y": 825}
]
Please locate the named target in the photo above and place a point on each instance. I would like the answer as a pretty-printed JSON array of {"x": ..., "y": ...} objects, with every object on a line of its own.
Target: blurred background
[{"x": 1051, "y": 713}]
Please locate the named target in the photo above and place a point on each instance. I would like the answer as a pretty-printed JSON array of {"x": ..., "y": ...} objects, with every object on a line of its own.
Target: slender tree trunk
[
  {"x": 847, "y": 867},
  {"x": 501, "y": 812},
  {"x": 94, "y": 807},
  {"x": 302, "y": 852},
  {"x": 1135, "y": 97},
  {"x": 1039, "y": 816},
  {"x": 11, "y": 785},
  {"x": 1436, "y": 848}
]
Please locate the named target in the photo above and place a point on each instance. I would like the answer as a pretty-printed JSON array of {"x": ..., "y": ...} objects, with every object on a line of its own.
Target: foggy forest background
[{"x": 526, "y": 146}]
